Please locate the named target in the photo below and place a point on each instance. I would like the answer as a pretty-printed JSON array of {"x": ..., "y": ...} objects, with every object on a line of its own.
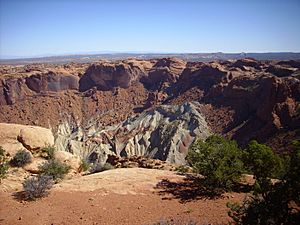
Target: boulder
[
  {"x": 14, "y": 137},
  {"x": 33, "y": 167},
  {"x": 34, "y": 138},
  {"x": 68, "y": 158}
]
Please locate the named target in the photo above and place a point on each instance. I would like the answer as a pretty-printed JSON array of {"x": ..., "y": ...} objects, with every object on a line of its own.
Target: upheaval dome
[{"x": 155, "y": 108}]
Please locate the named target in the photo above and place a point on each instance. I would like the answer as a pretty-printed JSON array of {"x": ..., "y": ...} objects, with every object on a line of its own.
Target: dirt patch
[{"x": 121, "y": 196}]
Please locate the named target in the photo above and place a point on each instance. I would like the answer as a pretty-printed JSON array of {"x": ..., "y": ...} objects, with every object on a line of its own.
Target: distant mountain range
[{"x": 202, "y": 57}]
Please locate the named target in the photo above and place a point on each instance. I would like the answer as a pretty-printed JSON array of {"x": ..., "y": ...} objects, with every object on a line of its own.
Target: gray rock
[{"x": 163, "y": 133}]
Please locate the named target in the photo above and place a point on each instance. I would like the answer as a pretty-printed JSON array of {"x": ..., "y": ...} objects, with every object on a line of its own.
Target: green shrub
[
  {"x": 99, "y": 167},
  {"x": 182, "y": 169},
  {"x": 4, "y": 165},
  {"x": 37, "y": 187},
  {"x": 49, "y": 151},
  {"x": 21, "y": 158},
  {"x": 54, "y": 169},
  {"x": 2, "y": 151},
  {"x": 85, "y": 165},
  {"x": 263, "y": 163},
  {"x": 277, "y": 203},
  {"x": 218, "y": 159}
]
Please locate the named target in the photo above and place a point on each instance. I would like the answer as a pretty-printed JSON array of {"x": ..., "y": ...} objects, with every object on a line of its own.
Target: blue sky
[{"x": 41, "y": 27}]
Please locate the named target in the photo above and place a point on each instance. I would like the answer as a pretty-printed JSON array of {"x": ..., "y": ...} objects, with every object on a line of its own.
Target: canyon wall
[{"x": 156, "y": 107}]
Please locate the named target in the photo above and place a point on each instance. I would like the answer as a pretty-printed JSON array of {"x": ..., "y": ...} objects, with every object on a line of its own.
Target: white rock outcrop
[{"x": 163, "y": 133}]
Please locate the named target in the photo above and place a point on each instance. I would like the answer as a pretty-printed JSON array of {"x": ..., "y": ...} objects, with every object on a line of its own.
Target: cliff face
[
  {"x": 244, "y": 99},
  {"x": 106, "y": 76},
  {"x": 263, "y": 105},
  {"x": 52, "y": 82},
  {"x": 19, "y": 83}
]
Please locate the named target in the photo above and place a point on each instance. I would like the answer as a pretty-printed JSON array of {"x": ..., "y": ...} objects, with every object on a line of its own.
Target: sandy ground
[{"x": 121, "y": 196}]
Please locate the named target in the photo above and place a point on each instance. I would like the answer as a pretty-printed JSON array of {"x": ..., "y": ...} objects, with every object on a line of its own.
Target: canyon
[{"x": 154, "y": 108}]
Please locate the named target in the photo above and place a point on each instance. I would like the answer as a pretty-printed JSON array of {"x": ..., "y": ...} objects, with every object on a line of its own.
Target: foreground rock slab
[{"x": 119, "y": 181}]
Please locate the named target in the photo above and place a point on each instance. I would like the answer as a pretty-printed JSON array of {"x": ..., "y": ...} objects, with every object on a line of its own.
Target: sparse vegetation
[
  {"x": 37, "y": 187},
  {"x": 85, "y": 165},
  {"x": 54, "y": 169},
  {"x": 2, "y": 151},
  {"x": 99, "y": 167},
  {"x": 49, "y": 152},
  {"x": 4, "y": 165},
  {"x": 218, "y": 159},
  {"x": 21, "y": 158}
]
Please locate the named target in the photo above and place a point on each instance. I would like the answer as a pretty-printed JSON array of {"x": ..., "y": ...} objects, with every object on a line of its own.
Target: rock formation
[
  {"x": 107, "y": 106},
  {"x": 163, "y": 133}
]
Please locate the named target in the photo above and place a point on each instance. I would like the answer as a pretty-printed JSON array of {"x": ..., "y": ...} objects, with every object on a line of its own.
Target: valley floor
[{"x": 120, "y": 196}]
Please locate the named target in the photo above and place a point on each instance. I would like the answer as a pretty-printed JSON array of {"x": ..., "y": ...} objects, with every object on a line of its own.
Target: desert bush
[
  {"x": 99, "y": 167},
  {"x": 21, "y": 158},
  {"x": 49, "y": 152},
  {"x": 37, "y": 187},
  {"x": 263, "y": 163},
  {"x": 2, "y": 151},
  {"x": 54, "y": 169},
  {"x": 277, "y": 203},
  {"x": 218, "y": 159},
  {"x": 85, "y": 165},
  {"x": 4, "y": 165}
]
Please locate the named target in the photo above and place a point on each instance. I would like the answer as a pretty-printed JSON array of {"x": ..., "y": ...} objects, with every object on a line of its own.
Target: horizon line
[{"x": 50, "y": 55}]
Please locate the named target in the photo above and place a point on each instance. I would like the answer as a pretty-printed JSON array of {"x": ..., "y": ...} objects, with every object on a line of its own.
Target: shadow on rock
[
  {"x": 190, "y": 189},
  {"x": 20, "y": 196},
  {"x": 193, "y": 188}
]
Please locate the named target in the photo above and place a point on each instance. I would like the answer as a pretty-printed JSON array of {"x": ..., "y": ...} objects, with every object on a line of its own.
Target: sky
[{"x": 54, "y": 27}]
